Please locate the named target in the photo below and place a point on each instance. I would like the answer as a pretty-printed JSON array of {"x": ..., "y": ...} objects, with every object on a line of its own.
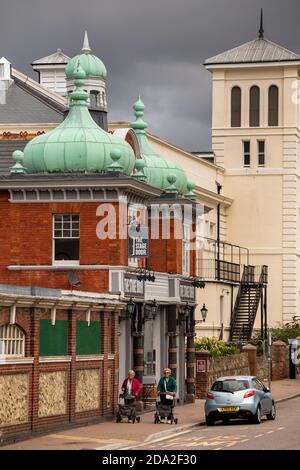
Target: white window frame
[
  {"x": 186, "y": 250},
  {"x": 12, "y": 341},
  {"x": 64, "y": 262}
]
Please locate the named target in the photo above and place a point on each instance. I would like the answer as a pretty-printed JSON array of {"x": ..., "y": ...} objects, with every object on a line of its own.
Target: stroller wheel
[
  {"x": 118, "y": 419},
  {"x": 176, "y": 420},
  {"x": 156, "y": 419},
  {"x": 138, "y": 419}
]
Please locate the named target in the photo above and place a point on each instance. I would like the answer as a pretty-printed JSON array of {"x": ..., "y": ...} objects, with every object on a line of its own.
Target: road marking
[
  {"x": 245, "y": 440},
  {"x": 258, "y": 435},
  {"x": 270, "y": 432},
  {"x": 86, "y": 439},
  {"x": 281, "y": 428}
]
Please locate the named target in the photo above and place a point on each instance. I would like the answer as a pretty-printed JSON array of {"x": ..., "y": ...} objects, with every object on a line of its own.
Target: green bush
[
  {"x": 216, "y": 347},
  {"x": 279, "y": 333}
]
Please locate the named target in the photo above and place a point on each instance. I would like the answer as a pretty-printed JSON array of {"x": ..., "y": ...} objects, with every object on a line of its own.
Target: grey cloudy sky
[{"x": 152, "y": 47}]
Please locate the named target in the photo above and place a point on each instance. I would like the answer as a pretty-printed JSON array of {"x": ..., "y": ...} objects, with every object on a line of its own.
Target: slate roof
[
  {"x": 7, "y": 147},
  {"x": 258, "y": 50},
  {"x": 25, "y": 105},
  {"x": 57, "y": 57}
]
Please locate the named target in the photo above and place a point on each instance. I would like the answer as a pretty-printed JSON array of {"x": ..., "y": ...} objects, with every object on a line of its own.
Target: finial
[
  {"x": 139, "y": 124},
  {"x": 115, "y": 155},
  {"x": 261, "y": 29},
  {"x": 139, "y": 167},
  {"x": 172, "y": 180},
  {"x": 86, "y": 46},
  {"x": 190, "y": 194},
  {"x": 18, "y": 157},
  {"x": 79, "y": 94},
  {"x": 59, "y": 50}
]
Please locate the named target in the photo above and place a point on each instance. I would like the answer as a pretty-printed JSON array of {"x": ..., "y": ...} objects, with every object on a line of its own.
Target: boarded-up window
[
  {"x": 236, "y": 107},
  {"x": 273, "y": 106},
  {"x": 53, "y": 338},
  {"x": 87, "y": 337},
  {"x": 254, "y": 107}
]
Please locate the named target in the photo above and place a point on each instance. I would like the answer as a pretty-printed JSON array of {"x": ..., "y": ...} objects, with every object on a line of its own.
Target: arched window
[
  {"x": 236, "y": 107},
  {"x": 273, "y": 106},
  {"x": 254, "y": 107},
  {"x": 12, "y": 341}
]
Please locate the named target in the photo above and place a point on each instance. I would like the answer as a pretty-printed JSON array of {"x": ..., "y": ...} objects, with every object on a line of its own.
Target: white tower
[{"x": 51, "y": 70}]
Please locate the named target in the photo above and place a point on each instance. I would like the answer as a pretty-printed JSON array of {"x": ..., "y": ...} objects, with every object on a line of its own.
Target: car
[{"x": 239, "y": 397}]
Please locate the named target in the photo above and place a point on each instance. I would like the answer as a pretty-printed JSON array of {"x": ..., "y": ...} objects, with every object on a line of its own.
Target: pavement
[{"x": 110, "y": 435}]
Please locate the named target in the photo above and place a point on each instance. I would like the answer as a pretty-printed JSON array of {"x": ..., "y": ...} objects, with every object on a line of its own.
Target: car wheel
[
  {"x": 209, "y": 421},
  {"x": 257, "y": 417},
  {"x": 272, "y": 415}
]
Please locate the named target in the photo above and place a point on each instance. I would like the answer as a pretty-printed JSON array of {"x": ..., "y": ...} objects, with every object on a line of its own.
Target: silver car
[{"x": 239, "y": 397}]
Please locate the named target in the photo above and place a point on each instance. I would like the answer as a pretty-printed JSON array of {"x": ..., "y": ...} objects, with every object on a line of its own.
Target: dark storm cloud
[{"x": 152, "y": 47}]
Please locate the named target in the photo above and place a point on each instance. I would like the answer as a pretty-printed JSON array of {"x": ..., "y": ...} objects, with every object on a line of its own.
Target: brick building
[{"x": 85, "y": 293}]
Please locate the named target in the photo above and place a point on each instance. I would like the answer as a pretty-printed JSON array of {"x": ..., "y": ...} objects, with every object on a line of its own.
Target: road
[{"x": 281, "y": 434}]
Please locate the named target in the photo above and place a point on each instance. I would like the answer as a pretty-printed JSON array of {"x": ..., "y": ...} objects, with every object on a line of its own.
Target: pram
[
  {"x": 127, "y": 408},
  {"x": 163, "y": 412}
]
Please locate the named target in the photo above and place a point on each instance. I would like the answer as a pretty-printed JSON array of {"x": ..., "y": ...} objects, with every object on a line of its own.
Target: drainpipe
[{"x": 219, "y": 187}]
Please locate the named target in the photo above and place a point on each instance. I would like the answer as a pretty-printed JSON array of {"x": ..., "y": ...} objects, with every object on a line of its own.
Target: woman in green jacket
[{"x": 167, "y": 386}]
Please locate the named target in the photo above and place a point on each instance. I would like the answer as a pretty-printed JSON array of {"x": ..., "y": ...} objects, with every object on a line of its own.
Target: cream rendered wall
[
  {"x": 205, "y": 175},
  {"x": 265, "y": 212},
  {"x": 211, "y": 296}
]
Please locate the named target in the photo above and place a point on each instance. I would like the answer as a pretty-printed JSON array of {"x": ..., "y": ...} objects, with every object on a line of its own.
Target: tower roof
[
  {"x": 78, "y": 144},
  {"x": 256, "y": 51},
  {"x": 57, "y": 57},
  {"x": 91, "y": 64}
]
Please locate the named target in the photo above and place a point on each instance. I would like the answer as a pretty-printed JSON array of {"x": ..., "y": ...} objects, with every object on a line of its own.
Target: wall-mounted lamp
[{"x": 204, "y": 312}]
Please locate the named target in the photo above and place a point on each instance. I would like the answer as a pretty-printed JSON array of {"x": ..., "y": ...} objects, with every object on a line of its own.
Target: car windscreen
[{"x": 230, "y": 385}]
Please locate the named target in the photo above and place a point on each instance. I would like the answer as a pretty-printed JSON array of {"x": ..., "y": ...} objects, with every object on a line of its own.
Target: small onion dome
[
  {"x": 78, "y": 144},
  {"x": 91, "y": 64},
  {"x": 156, "y": 169}
]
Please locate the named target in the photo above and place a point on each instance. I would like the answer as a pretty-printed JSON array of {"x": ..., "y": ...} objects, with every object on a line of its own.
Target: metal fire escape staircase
[{"x": 250, "y": 294}]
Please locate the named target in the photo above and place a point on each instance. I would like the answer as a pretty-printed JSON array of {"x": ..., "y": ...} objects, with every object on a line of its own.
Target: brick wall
[
  {"x": 95, "y": 403},
  {"x": 23, "y": 245}
]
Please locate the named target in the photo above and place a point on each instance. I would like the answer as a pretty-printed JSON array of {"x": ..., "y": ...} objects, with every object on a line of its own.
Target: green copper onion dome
[
  {"x": 91, "y": 64},
  {"x": 78, "y": 144},
  {"x": 156, "y": 169}
]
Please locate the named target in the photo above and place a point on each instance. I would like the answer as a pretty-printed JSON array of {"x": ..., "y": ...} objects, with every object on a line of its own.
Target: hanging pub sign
[{"x": 138, "y": 243}]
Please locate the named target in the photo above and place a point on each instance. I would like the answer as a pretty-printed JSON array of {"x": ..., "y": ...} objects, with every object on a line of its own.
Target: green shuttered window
[
  {"x": 53, "y": 338},
  {"x": 88, "y": 338}
]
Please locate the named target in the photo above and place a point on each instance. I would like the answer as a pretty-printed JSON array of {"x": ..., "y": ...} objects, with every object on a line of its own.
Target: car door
[{"x": 265, "y": 397}]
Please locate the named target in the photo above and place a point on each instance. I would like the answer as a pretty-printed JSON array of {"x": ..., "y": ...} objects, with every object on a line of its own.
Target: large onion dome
[
  {"x": 78, "y": 144},
  {"x": 90, "y": 63},
  {"x": 156, "y": 168}
]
